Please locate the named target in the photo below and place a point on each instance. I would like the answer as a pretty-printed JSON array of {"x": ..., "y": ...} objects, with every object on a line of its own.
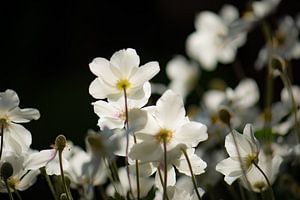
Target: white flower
[
  {"x": 264, "y": 7},
  {"x": 121, "y": 72},
  {"x": 167, "y": 122},
  {"x": 215, "y": 40},
  {"x": 286, "y": 44},
  {"x": 16, "y": 137},
  {"x": 21, "y": 179},
  {"x": 248, "y": 149},
  {"x": 183, "y": 75},
  {"x": 112, "y": 113},
  {"x": 270, "y": 166}
]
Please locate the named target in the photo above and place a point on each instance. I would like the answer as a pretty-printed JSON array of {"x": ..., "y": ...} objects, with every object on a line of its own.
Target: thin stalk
[
  {"x": 161, "y": 178},
  {"x": 287, "y": 83},
  {"x": 192, "y": 173},
  {"x": 165, "y": 170},
  {"x": 49, "y": 182},
  {"x": 63, "y": 175},
  {"x": 267, "y": 180},
  {"x": 8, "y": 190},
  {"x": 2, "y": 136},
  {"x": 18, "y": 194},
  {"x": 110, "y": 176}
]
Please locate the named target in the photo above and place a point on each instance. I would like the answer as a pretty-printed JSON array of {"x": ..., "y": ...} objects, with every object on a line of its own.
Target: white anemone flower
[
  {"x": 112, "y": 113},
  {"x": 167, "y": 122},
  {"x": 16, "y": 137},
  {"x": 270, "y": 167},
  {"x": 21, "y": 179},
  {"x": 248, "y": 149},
  {"x": 121, "y": 72},
  {"x": 183, "y": 75},
  {"x": 216, "y": 38}
]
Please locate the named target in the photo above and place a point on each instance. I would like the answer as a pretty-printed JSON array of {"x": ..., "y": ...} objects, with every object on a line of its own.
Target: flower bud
[
  {"x": 224, "y": 116},
  {"x": 60, "y": 142},
  {"x": 6, "y": 170}
]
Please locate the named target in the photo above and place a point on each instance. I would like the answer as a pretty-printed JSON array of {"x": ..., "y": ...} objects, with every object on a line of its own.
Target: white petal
[
  {"x": 244, "y": 146},
  {"x": 144, "y": 73},
  {"x": 191, "y": 134},
  {"x": 147, "y": 151},
  {"x": 98, "y": 90},
  {"x": 170, "y": 112},
  {"x": 230, "y": 168},
  {"x": 20, "y": 135},
  {"x": 213, "y": 99},
  {"x": 246, "y": 93},
  {"x": 8, "y": 100},
  {"x": 28, "y": 180},
  {"x": 39, "y": 159},
  {"x": 101, "y": 67},
  {"x": 210, "y": 22},
  {"x": 171, "y": 177},
  {"x": 229, "y": 13},
  {"x": 23, "y": 115},
  {"x": 125, "y": 60}
]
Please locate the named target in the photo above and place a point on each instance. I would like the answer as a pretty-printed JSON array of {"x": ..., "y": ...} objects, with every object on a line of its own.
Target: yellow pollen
[
  {"x": 249, "y": 161},
  {"x": 123, "y": 84},
  {"x": 13, "y": 181},
  {"x": 260, "y": 186},
  {"x": 164, "y": 135}
]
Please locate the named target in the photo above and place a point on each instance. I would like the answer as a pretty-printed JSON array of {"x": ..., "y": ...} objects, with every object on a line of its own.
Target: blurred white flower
[
  {"x": 263, "y": 8},
  {"x": 285, "y": 44},
  {"x": 121, "y": 72},
  {"x": 270, "y": 167},
  {"x": 183, "y": 75},
  {"x": 248, "y": 148},
  {"x": 216, "y": 38},
  {"x": 16, "y": 137},
  {"x": 167, "y": 122},
  {"x": 21, "y": 179}
]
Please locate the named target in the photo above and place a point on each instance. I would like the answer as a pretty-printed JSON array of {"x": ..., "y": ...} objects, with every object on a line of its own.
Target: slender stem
[
  {"x": 49, "y": 182},
  {"x": 8, "y": 190},
  {"x": 18, "y": 194},
  {"x": 111, "y": 175},
  {"x": 165, "y": 170},
  {"x": 2, "y": 136},
  {"x": 192, "y": 173},
  {"x": 287, "y": 83},
  {"x": 161, "y": 178},
  {"x": 267, "y": 180},
  {"x": 63, "y": 175}
]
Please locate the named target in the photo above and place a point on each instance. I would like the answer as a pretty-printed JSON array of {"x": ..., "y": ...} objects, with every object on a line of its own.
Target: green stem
[
  {"x": 8, "y": 190},
  {"x": 165, "y": 194},
  {"x": 192, "y": 173},
  {"x": 267, "y": 180},
  {"x": 49, "y": 182},
  {"x": 63, "y": 176},
  {"x": 18, "y": 194}
]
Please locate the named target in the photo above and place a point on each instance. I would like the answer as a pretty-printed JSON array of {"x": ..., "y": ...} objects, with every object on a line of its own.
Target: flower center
[
  {"x": 13, "y": 181},
  {"x": 249, "y": 161},
  {"x": 4, "y": 122},
  {"x": 164, "y": 135},
  {"x": 260, "y": 186},
  {"x": 123, "y": 84}
]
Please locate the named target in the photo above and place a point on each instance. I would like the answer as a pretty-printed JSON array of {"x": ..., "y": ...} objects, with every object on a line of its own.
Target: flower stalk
[
  {"x": 192, "y": 173},
  {"x": 2, "y": 136},
  {"x": 165, "y": 170},
  {"x": 49, "y": 182}
]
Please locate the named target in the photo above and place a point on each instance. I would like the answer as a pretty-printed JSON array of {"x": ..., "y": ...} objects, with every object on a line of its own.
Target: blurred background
[{"x": 48, "y": 45}]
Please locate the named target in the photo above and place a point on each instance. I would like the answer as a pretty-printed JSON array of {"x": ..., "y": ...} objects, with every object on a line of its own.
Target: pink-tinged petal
[
  {"x": 39, "y": 159},
  {"x": 170, "y": 112},
  {"x": 101, "y": 68},
  {"x": 20, "y": 135},
  {"x": 125, "y": 60},
  {"x": 8, "y": 100},
  {"x": 98, "y": 89},
  {"x": 231, "y": 169},
  {"x": 144, "y": 74},
  {"x": 146, "y": 151},
  {"x": 23, "y": 115},
  {"x": 191, "y": 134},
  {"x": 28, "y": 180}
]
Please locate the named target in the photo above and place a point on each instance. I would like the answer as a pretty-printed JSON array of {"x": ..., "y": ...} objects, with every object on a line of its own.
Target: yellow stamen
[
  {"x": 123, "y": 84},
  {"x": 164, "y": 135}
]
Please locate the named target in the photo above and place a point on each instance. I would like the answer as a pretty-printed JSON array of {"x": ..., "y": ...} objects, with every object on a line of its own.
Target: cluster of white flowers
[{"x": 156, "y": 151}]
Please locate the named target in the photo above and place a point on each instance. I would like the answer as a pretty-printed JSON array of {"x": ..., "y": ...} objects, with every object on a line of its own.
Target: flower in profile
[
  {"x": 167, "y": 122},
  {"x": 270, "y": 167},
  {"x": 247, "y": 148},
  {"x": 121, "y": 72},
  {"x": 183, "y": 75},
  {"x": 216, "y": 38},
  {"x": 18, "y": 178},
  {"x": 16, "y": 137}
]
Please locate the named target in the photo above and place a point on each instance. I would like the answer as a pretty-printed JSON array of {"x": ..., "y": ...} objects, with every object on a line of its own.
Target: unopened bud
[
  {"x": 224, "y": 116},
  {"x": 60, "y": 142},
  {"x": 6, "y": 170}
]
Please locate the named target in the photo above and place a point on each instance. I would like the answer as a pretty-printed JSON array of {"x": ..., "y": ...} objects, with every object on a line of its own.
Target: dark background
[{"x": 47, "y": 46}]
